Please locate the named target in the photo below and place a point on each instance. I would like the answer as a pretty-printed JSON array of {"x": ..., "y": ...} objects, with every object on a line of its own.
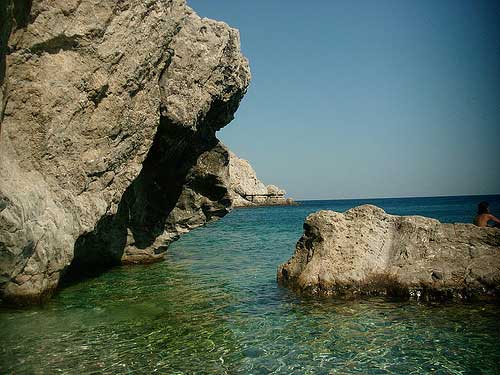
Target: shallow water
[{"x": 213, "y": 307}]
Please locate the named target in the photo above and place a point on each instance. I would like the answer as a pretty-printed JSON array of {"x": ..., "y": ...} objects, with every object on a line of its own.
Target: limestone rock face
[
  {"x": 365, "y": 251},
  {"x": 247, "y": 190},
  {"x": 107, "y": 144}
]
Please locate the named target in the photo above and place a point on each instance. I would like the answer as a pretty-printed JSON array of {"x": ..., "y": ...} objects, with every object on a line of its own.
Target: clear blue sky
[{"x": 354, "y": 99}]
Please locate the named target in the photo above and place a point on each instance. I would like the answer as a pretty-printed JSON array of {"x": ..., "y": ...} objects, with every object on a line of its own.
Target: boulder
[
  {"x": 108, "y": 114},
  {"x": 366, "y": 251}
]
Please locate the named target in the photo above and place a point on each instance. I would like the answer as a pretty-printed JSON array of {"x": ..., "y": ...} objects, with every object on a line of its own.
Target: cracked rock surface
[
  {"x": 366, "y": 251},
  {"x": 107, "y": 142}
]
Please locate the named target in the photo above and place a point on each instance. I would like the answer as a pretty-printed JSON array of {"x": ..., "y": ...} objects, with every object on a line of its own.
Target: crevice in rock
[
  {"x": 5, "y": 27},
  {"x": 22, "y": 12},
  {"x": 14, "y": 14},
  {"x": 4, "y": 202},
  {"x": 96, "y": 96},
  {"x": 55, "y": 45}
]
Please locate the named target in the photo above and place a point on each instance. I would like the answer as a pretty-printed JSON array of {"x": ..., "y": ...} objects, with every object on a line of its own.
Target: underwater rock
[
  {"x": 366, "y": 251},
  {"x": 107, "y": 144}
]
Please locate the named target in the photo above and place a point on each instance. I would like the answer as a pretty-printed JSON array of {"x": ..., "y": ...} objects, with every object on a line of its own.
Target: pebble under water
[{"x": 213, "y": 307}]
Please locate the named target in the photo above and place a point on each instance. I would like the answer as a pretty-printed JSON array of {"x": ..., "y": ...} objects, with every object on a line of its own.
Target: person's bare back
[
  {"x": 483, "y": 219},
  {"x": 483, "y": 216}
]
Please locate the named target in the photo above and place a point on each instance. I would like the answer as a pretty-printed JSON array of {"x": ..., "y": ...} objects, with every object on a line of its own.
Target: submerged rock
[
  {"x": 107, "y": 141},
  {"x": 365, "y": 251},
  {"x": 247, "y": 190}
]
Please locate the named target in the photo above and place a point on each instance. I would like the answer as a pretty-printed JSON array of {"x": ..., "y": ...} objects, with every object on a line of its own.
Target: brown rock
[{"x": 365, "y": 251}]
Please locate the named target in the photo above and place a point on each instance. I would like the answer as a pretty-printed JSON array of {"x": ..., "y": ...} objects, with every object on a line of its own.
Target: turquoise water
[{"x": 213, "y": 307}]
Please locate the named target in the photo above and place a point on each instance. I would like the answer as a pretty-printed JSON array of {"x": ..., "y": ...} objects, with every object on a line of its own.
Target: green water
[{"x": 213, "y": 307}]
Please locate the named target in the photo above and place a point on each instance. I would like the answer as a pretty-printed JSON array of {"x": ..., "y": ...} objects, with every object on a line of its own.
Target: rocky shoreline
[{"x": 365, "y": 252}]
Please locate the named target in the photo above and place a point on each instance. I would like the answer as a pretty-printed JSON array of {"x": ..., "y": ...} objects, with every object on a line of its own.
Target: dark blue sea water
[{"x": 213, "y": 307}]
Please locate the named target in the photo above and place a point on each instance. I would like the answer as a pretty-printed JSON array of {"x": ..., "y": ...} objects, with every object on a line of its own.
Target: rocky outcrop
[
  {"x": 248, "y": 191},
  {"x": 365, "y": 251},
  {"x": 108, "y": 148}
]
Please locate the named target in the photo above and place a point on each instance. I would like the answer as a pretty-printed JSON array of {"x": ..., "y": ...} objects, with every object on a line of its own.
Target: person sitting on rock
[{"x": 483, "y": 216}]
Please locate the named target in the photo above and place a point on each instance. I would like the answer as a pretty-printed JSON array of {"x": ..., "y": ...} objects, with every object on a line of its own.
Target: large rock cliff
[
  {"x": 107, "y": 145},
  {"x": 247, "y": 190},
  {"x": 365, "y": 251}
]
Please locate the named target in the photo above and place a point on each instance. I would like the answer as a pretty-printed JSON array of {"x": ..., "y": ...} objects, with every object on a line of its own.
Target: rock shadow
[{"x": 144, "y": 209}]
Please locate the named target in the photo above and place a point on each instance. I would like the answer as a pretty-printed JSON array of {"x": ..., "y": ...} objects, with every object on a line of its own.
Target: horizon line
[{"x": 399, "y": 197}]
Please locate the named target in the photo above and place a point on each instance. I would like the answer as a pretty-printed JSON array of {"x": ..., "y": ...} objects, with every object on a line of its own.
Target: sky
[{"x": 365, "y": 99}]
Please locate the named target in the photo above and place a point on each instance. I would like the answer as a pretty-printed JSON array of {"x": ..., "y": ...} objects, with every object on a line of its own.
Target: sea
[{"x": 214, "y": 307}]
